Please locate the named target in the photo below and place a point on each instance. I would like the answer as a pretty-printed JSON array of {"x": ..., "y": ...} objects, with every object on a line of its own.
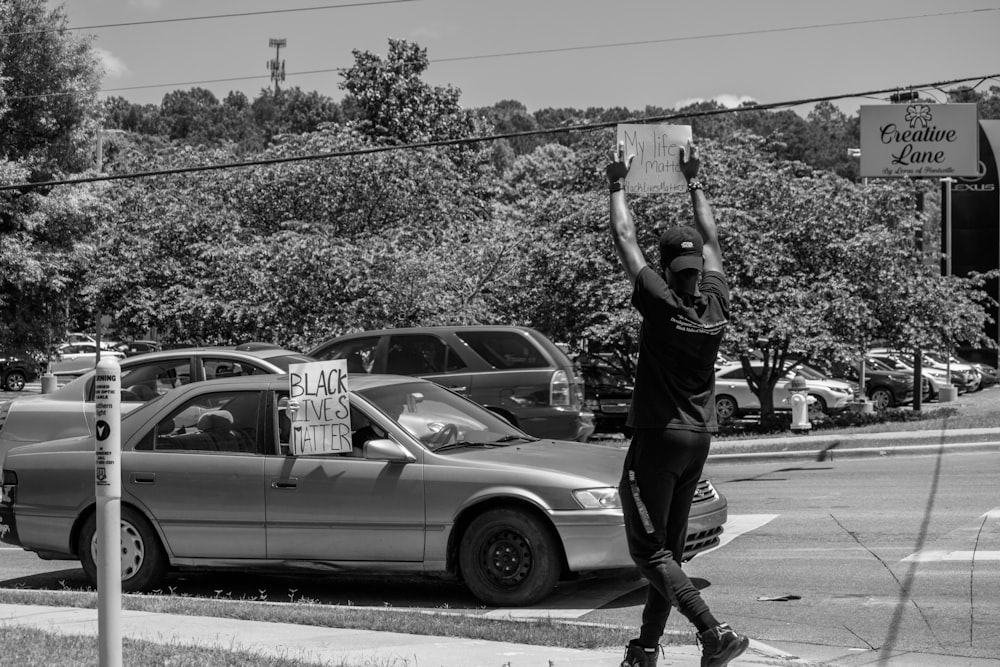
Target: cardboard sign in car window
[
  {"x": 322, "y": 422},
  {"x": 657, "y": 164}
]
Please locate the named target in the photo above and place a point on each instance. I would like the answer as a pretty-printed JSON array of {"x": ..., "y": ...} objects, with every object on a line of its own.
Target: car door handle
[
  {"x": 284, "y": 482},
  {"x": 143, "y": 478}
]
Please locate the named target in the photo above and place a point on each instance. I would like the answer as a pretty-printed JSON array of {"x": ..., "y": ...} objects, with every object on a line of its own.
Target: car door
[
  {"x": 203, "y": 485},
  {"x": 340, "y": 507},
  {"x": 75, "y": 358},
  {"x": 732, "y": 382}
]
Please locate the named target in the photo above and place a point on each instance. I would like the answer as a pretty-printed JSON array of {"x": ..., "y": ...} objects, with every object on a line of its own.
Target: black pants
[{"x": 661, "y": 474}]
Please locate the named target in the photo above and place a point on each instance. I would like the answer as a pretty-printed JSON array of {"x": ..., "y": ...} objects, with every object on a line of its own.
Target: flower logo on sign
[{"x": 918, "y": 114}]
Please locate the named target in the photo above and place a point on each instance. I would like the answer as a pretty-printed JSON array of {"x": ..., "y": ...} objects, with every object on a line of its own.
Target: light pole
[
  {"x": 100, "y": 170},
  {"x": 865, "y": 404}
]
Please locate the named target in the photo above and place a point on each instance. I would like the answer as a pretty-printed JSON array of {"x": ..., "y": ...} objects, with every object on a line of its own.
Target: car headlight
[{"x": 603, "y": 498}]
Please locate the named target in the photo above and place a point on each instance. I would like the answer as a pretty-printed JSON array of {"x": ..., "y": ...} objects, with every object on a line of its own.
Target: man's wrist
[
  {"x": 616, "y": 186},
  {"x": 694, "y": 184}
]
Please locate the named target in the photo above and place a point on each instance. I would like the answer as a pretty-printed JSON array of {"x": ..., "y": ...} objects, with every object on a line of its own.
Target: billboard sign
[{"x": 919, "y": 140}]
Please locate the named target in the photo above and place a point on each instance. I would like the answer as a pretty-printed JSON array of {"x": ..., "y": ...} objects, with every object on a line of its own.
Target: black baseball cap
[{"x": 680, "y": 248}]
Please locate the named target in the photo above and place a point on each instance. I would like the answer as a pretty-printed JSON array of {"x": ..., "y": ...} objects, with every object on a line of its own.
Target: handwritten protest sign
[
  {"x": 657, "y": 164},
  {"x": 322, "y": 422}
]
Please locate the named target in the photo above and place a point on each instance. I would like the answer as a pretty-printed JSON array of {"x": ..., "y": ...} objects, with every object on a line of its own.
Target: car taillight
[{"x": 559, "y": 389}]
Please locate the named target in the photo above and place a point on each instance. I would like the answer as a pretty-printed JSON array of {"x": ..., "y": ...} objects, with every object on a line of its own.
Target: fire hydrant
[{"x": 800, "y": 400}]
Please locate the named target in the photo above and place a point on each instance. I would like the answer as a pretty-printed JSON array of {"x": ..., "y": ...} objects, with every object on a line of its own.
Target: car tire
[
  {"x": 882, "y": 398},
  {"x": 725, "y": 408},
  {"x": 14, "y": 381},
  {"x": 508, "y": 558},
  {"x": 817, "y": 408},
  {"x": 143, "y": 560}
]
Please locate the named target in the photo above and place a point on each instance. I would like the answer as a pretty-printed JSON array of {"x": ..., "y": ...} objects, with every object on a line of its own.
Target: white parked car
[
  {"x": 78, "y": 358},
  {"x": 938, "y": 376},
  {"x": 733, "y": 397},
  {"x": 940, "y": 361}
]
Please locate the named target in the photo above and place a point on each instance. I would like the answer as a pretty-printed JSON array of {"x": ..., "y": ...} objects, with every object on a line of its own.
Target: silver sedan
[{"x": 429, "y": 482}]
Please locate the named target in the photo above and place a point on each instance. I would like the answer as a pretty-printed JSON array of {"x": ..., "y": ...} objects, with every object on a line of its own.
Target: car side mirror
[{"x": 383, "y": 449}]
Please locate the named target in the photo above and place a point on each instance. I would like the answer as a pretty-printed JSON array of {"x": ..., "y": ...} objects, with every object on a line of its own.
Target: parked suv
[
  {"x": 16, "y": 370},
  {"x": 608, "y": 391},
  {"x": 515, "y": 371}
]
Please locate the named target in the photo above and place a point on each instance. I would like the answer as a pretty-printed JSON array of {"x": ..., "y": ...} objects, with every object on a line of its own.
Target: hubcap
[{"x": 133, "y": 550}]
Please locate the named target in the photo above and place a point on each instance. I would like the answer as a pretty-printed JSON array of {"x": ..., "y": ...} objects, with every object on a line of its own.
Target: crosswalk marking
[{"x": 955, "y": 546}]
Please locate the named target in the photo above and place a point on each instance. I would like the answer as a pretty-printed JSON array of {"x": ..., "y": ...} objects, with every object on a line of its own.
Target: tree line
[{"x": 507, "y": 231}]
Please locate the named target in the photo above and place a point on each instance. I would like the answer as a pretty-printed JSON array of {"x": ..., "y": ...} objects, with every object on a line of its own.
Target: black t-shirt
[{"x": 678, "y": 346}]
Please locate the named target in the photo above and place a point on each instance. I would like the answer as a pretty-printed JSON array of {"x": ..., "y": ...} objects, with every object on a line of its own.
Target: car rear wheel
[
  {"x": 14, "y": 381},
  {"x": 725, "y": 408},
  {"x": 509, "y": 558},
  {"x": 143, "y": 559},
  {"x": 882, "y": 398}
]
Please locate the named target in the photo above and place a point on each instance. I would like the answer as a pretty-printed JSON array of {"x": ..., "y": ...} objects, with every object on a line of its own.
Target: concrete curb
[
  {"x": 825, "y": 447},
  {"x": 829, "y": 454}
]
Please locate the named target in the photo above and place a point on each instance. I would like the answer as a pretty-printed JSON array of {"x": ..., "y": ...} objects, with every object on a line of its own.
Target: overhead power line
[
  {"x": 586, "y": 127},
  {"x": 527, "y": 52},
  {"x": 718, "y": 35},
  {"x": 208, "y": 17}
]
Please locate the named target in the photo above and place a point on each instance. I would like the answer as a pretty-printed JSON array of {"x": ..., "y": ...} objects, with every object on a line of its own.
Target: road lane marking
[
  {"x": 955, "y": 545},
  {"x": 934, "y": 556},
  {"x": 576, "y": 601}
]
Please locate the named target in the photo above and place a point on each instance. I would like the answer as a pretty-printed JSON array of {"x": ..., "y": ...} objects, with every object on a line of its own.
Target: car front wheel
[
  {"x": 725, "y": 408},
  {"x": 509, "y": 558},
  {"x": 143, "y": 559},
  {"x": 14, "y": 381},
  {"x": 882, "y": 398}
]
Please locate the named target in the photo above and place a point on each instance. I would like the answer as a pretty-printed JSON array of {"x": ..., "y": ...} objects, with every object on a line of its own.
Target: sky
[{"x": 554, "y": 53}]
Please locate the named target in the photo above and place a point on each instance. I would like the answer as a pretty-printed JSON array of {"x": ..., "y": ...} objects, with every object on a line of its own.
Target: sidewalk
[
  {"x": 335, "y": 646},
  {"x": 832, "y": 444}
]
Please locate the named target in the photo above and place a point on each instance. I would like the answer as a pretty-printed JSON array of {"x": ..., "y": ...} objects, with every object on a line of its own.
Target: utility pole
[{"x": 277, "y": 66}]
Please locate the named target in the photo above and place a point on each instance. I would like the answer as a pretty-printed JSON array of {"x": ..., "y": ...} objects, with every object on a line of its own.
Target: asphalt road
[{"x": 900, "y": 553}]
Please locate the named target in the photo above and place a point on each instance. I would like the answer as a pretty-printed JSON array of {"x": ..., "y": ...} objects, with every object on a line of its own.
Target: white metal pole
[{"x": 108, "y": 487}]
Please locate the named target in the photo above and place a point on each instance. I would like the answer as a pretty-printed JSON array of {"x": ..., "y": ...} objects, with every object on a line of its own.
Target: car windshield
[
  {"x": 441, "y": 419},
  {"x": 808, "y": 372},
  {"x": 876, "y": 365}
]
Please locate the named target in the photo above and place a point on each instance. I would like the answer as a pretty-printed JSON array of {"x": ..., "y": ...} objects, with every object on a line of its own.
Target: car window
[
  {"x": 363, "y": 428},
  {"x": 227, "y": 368},
  {"x": 419, "y": 354},
  {"x": 214, "y": 422},
  {"x": 504, "y": 349},
  {"x": 359, "y": 353},
  {"x": 147, "y": 381},
  {"x": 734, "y": 374}
]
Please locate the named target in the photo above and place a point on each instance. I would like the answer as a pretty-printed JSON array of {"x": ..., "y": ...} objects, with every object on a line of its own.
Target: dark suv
[
  {"x": 515, "y": 371},
  {"x": 16, "y": 370}
]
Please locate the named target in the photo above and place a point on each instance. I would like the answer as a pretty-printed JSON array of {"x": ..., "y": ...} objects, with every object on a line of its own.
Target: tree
[
  {"x": 396, "y": 105},
  {"x": 49, "y": 80}
]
